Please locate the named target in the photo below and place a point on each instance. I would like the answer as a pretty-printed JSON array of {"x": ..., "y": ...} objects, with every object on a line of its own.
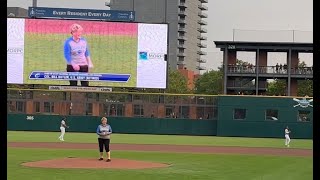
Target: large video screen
[{"x": 86, "y": 53}]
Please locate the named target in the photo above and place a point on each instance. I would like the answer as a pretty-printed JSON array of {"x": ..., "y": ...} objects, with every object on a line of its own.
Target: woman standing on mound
[{"x": 104, "y": 132}]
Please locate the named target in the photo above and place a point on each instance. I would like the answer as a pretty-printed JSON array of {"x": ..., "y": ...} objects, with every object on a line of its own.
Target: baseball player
[
  {"x": 286, "y": 135},
  {"x": 63, "y": 127}
]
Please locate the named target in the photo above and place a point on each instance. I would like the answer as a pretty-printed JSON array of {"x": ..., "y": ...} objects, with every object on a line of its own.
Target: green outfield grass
[
  {"x": 25, "y": 136},
  {"x": 109, "y": 54},
  {"x": 183, "y": 166}
]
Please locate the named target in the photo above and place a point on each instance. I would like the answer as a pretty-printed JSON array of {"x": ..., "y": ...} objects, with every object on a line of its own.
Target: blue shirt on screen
[{"x": 76, "y": 52}]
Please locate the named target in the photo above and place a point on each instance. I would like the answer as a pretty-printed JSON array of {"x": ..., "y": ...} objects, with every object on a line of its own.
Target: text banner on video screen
[
  {"x": 80, "y": 76},
  {"x": 59, "y": 52}
]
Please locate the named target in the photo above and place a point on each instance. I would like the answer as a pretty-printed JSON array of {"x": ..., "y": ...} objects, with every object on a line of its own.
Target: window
[
  {"x": 271, "y": 115},
  {"x": 88, "y": 108},
  {"x": 11, "y": 106},
  {"x": 184, "y": 112},
  {"x": 200, "y": 112},
  {"x": 138, "y": 110},
  {"x": 239, "y": 114},
  {"x": 304, "y": 116},
  {"x": 169, "y": 112},
  {"x": 36, "y": 107},
  {"x": 48, "y": 107},
  {"x": 20, "y": 106},
  {"x": 119, "y": 109},
  {"x": 116, "y": 110}
]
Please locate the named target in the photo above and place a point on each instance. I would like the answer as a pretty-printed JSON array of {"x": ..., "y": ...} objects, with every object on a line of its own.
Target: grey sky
[{"x": 276, "y": 17}]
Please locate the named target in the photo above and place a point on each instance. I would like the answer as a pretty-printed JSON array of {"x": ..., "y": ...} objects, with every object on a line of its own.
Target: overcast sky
[{"x": 275, "y": 20}]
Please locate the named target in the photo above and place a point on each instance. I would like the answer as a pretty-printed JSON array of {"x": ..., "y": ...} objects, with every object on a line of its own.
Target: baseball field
[
  {"x": 181, "y": 157},
  {"x": 113, "y": 49}
]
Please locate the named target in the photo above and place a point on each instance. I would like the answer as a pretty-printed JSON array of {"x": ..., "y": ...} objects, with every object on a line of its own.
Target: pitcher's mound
[{"x": 86, "y": 163}]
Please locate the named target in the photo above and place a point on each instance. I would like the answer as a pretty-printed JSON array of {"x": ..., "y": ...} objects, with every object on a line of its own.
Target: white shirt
[
  {"x": 63, "y": 123},
  {"x": 286, "y": 131}
]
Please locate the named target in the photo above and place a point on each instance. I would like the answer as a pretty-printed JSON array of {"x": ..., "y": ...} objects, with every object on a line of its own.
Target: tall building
[{"x": 186, "y": 27}]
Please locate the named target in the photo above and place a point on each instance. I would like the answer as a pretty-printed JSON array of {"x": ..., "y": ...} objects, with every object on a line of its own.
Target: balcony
[
  {"x": 204, "y": 1},
  {"x": 299, "y": 71},
  {"x": 302, "y": 71},
  {"x": 271, "y": 71},
  {"x": 202, "y": 45},
  {"x": 182, "y": 38},
  {"x": 182, "y": 21},
  {"x": 201, "y": 53},
  {"x": 182, "y": 4},
  {"x": 201, "y": 68},
  {"x": 180, "y": 54},
  {"x": 182, "y": 46},
  {"x": 203, "y": 7},
  {"x": 181, "y": 29},
  {"x": 202, "y": 15},
  {"x": 200, "y": 60},
  {"x": 202, "y": 37},
  {"x": 202, "y": 22},
  {"x": 202, "y": 30},
  {"x": 241, "y": 69},
  {"x": 182, "y": 13}
]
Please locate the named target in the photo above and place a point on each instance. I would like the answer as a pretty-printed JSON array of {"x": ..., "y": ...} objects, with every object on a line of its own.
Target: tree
[
  {"x": 277, "y": 87},
  {"x": 305, "y": 87},
  {"x": 177, "y": 83},
  {"x": 301, "y": 64},
  {"x": 210, "y": 83},
  {"x": 241, "y": 63}
]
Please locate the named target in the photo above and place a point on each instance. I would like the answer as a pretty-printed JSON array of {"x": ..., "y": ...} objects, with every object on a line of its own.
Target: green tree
[
  {"x": 301, "y": 64},
  {"x": 210, "y": 83},
  {"x": 241, "y": 63},
  {"x": 305, "y": 87},
  {"x": 277, "y": 87},
  {"x": 177, "y": 83}
]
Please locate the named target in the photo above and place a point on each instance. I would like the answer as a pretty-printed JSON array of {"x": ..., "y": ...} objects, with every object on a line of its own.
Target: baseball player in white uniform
[
  {"x": 63, "y": 127},
  {"x": 286, "y": 135}
]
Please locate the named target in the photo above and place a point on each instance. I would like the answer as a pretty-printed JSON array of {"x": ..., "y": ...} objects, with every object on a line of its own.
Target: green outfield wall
[
  {"x": 241, "y": 116},
  {"x": 256, "y": 123},
  {"x": 19, "y": 122}
]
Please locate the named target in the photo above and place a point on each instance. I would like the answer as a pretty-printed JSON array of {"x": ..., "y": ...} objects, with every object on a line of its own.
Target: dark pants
[
  {"x": 105, "y": 143},
  {"x": 82, "y": 69}
]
